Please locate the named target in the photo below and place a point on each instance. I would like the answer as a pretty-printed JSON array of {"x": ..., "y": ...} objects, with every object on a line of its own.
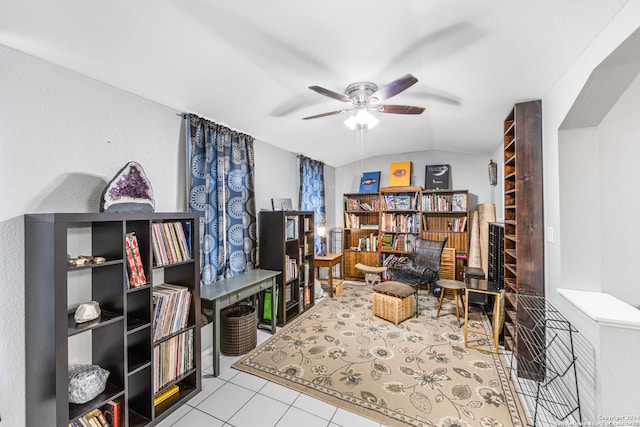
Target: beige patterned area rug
[{"x": 417, "y": 373}]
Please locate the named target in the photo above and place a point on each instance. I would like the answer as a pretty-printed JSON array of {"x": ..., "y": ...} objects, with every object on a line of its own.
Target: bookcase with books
[
  {"x": 286, "y": 244},
  {"x": 399, "y": 220},
  {"x": 361, "y": 228},
  {"x": 446, "y": 213},
  {"x": 74, "y": 258}
]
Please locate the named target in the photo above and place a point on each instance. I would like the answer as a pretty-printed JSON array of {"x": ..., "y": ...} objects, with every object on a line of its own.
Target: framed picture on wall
[
  {"x": 437, "y": 177},
  {"x": 281, "y": 204}
]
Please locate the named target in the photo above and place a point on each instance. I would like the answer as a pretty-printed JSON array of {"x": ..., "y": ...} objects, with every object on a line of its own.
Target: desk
[
  {"x": 329, "y": 260},
  {"x": 226, "y": 292},
  {"x": 488, "y": 288}
]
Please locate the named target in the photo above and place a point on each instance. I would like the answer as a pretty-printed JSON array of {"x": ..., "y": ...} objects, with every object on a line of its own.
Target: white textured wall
[
  {"x": 63, "y": 137},
  {"x": 556, "y": 103},
  {"x": 580, "y": 224},
  {"x": 619, "y": 137}
]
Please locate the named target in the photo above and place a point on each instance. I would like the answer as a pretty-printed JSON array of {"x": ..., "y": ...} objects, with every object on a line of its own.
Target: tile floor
[{"x": 239, "y": 399}]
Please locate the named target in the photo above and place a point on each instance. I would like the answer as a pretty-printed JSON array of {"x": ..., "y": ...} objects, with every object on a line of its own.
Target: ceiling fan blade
[
  {"x": 331, "y": 113},
  {"x": 399, "y": 109},
  {"x": 394, "y": 88},
  {"x": 330, "y": 93}
]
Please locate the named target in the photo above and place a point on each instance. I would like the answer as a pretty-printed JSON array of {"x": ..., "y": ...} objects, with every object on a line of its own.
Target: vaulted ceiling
[{"x": 248, "y": 63}]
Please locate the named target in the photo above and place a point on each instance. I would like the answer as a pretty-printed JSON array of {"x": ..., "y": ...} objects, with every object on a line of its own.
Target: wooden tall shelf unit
[
  {"x": 368, "y": 218},
  {"x": 121, "y": 339},
  {"x": 287, "y": 245},
  {"x": 447, "y": 218},
  {"x": 361, "y": 227},
  {"x": 523, "y": 224},
  {"x": 400, "y": 219}
]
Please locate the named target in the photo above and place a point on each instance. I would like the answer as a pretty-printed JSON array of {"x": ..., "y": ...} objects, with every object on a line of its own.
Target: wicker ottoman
[{"x": 393, "y": 301}]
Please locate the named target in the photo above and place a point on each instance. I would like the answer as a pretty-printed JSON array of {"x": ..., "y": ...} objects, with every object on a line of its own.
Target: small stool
[
  {"x": 393, "y": 301},
  {"x": 371, "y": 274},
  {"x": 457, "y": 287}
]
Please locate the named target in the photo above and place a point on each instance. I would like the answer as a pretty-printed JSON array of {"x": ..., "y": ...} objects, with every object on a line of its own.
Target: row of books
[
  {"x": 291, "y": 271},
  {"x": 368, "y": 243},
  {"x": 135, "y": 270},
  {"x": 171, "y": 242},
  {"x": 393, "y": 260},
  {"x": 442, "y": 203},
  {"x": 457, "y": 224},
  {"x": 172, "y": 359},
  {"x": 409, "y": 223},
  {"x": 351, "y": 220},
  {"x": 107, "y": 416},
  {"x": 399, "y": 242},
  {"x": 171, "y": 305},
  {"x": 400, "y": 202},
  {"x": 305, "y": 289},
  {"x": 356, "y": 205}
]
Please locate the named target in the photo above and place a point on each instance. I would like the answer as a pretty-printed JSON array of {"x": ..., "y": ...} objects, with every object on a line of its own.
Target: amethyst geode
[{"x": 128, "y": 191}]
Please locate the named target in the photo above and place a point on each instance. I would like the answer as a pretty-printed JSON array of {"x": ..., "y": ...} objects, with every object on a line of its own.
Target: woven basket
[
  {"x": 392, "y": 308},
  {"x": 238, "y": 330}
]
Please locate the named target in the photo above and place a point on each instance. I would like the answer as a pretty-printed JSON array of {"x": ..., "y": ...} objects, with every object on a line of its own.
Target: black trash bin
[{"x": 238, "y": 330}]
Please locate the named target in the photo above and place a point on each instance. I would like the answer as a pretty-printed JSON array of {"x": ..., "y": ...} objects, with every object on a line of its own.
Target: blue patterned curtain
[
  {"x": 222, "y": 192},
  {"x": 311, "y": 197}
]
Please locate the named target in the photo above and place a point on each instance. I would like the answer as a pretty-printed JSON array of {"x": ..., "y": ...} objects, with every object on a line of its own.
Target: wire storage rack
[{"x": 544, "y": 372}]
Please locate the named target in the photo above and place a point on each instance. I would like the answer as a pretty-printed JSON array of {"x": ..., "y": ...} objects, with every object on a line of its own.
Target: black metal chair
[{"x": 420, "y": 268}]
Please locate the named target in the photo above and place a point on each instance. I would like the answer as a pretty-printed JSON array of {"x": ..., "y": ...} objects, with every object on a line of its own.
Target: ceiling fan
[{"x": 365, "y": 97}]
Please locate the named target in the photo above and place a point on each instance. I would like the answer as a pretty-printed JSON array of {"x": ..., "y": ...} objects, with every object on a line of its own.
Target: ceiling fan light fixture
[
  {"x": 351, "y": 122},
  {"x": 362, "y": 119},
  {"x": 372, "y": 121}
]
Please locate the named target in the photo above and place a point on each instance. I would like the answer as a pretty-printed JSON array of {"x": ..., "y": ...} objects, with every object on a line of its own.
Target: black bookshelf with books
[
  {"x": 286, "y": 244},
  {"x": 72, "y": 258}
]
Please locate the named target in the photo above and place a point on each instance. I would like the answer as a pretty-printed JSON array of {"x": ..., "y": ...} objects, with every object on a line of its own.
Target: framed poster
[
  {"x": 370, "y": 182},
  {"x": 281, "y": 204},
  {"x": 400, "y": 174},
  {"x": 437, "y": 177}
]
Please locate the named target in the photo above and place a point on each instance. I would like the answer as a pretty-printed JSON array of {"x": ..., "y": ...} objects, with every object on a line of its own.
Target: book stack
[
  {"x": 436, "y": 203},
  {"x": 135, "y": 270},
  {"x": 291, "y": 271},
  {"x": 387, "y": 242},
  {"x": 171, "y": 242},
  {"x": 172, "y": 359},
  {"x": 165, "y": 394},
  {"x": 400, "y": 223},
  {"x": 368, "y": 243},
  {"x": 351, "y": 220},
  {"x": 458, "y": 224},
  {"x": 171, "y": 305},
  {"x": 107, "y": 416},
  {"x": 94, "y": 418}
]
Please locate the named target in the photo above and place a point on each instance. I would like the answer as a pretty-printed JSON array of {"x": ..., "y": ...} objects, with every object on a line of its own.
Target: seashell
[{"x": 87, "y": 311}]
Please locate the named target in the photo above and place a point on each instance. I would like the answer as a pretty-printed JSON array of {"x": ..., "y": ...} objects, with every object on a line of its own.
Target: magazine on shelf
[
  {"x": 437, "y": 177},
  {"x": 369, "y": 182},
  {"x": 459, "y": 202}
]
